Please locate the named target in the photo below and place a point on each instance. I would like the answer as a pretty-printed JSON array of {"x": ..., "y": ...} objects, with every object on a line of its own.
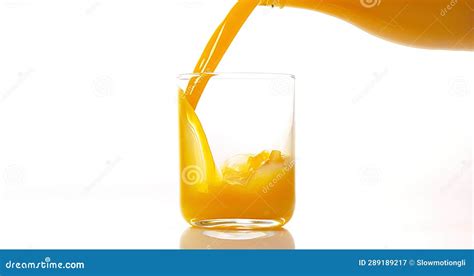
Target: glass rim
[{"x": 236, "y": 75}]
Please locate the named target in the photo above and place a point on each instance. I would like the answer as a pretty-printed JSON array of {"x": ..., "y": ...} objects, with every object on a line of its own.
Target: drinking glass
[{"x": 237, "y": 155}]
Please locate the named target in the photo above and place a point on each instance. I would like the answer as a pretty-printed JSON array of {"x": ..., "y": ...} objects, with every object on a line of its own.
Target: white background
[{"x": 88, "y": 125}]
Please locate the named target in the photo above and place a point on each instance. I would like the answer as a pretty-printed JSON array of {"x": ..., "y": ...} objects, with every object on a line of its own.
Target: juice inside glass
[{"x": 237, "y": 156}]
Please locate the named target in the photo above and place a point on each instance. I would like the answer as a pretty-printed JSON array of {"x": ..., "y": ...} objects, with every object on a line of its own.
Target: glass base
[{"x": 242, "y": 224}]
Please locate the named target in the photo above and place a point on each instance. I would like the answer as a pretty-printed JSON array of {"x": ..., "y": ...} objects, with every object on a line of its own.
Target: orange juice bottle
[
  {"x": 433, "y": 24},
  {"x": 437, "y": 24}
]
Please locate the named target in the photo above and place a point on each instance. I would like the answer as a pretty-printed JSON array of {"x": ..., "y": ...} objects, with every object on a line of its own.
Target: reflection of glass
[
  {"x": 197, "y": 238},
  {"x": 236, "y": 150}
]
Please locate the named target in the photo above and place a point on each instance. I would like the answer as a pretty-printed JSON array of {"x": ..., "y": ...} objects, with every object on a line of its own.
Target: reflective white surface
[{"x": 195, "y": 238}]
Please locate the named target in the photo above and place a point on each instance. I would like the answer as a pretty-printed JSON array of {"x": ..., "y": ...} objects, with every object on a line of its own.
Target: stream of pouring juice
[
  {"x": 436, "y": 24},
  {"x": 255, "y": 188},
  {"x": 258, "y": 188},
  {"x": 432, "y": 24},
  {"x": 239, "y": 190}
]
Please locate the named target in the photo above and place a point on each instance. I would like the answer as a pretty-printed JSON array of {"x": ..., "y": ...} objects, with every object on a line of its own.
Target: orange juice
[
  {"x": 252, "y": 190},
  {"x": 435, "y": 24},
  {"x": 255, "y": 190}
]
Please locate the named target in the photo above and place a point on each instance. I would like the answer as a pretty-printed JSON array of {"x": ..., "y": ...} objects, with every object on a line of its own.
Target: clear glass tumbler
[{"x": 237, "y": 155}]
